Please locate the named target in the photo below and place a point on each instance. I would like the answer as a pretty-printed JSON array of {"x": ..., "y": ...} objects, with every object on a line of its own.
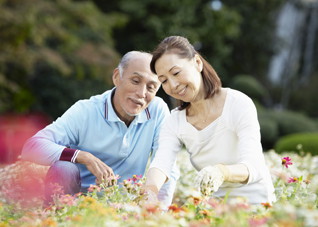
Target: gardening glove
[
  {"x": 151, "y": 193},
  {"x": 210, "y": 178}
]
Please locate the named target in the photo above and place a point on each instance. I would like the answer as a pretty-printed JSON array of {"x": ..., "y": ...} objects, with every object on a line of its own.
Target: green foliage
[
  {"x": 305, "y": 97},
  {"x": 276, "y": 124},
  {"x": 253, "y": 49},
  {"x": 292, "y": 122},
  {"x": 269, "y": 130},
  {"x": 250, "y": 86},
  {"x": 149, "y": 21},
  {"x": 41, "y": 39},
  {"x": 299, "y": 142}
]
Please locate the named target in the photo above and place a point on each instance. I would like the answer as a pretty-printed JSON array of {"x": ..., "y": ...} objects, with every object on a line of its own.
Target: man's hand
[
  {"x": 103, "y": 173},
  {"x": 209, "y": 179}
]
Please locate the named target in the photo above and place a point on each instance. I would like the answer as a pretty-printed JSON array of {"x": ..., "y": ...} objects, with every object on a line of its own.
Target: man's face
[{"x": 135, "y": 88}]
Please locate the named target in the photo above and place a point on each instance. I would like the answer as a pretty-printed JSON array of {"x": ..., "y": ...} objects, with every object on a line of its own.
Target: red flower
[
  {"x": 196, "y": 200},
  {"x": 266, "y": 205},
  {"x": 286, "y": 161},
  {"x": 174, "y": 208}
]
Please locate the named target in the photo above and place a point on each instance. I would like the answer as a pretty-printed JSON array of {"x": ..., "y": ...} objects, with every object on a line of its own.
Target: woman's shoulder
[
  {"x": 177, "y": 113},
  {"x": 238, "y": 99},
  {"x": 176, "y": 117},
  {"x": 237, "y": 95}
]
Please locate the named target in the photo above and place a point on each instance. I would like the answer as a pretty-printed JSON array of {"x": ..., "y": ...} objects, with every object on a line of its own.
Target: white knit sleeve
[
  {"x": 247, "y": 128},
  {"x": 168, "y": 146}
]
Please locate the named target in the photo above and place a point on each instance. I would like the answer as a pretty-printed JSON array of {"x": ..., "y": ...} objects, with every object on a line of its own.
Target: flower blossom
[
  {"x": 293, "y": 180},
  {"x": 93, "y": 188},
  {"x": 286, "y": 161},
  {"x": 267, "y": 205}
]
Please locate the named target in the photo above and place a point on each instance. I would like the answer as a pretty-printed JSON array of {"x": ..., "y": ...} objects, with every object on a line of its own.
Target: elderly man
[{"x": 110, "y": 134}]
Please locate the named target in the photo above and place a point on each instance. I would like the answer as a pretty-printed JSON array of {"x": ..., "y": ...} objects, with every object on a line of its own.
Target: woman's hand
[
  {"x": 209, "y": 179},
  {"x": 151, "y": 193}
]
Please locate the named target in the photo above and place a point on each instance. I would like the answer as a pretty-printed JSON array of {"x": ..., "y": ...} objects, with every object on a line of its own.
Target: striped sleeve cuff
[{"x": 69, "y": 154}]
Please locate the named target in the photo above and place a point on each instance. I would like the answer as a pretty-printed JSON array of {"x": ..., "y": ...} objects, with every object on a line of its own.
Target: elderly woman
[{"x": 217, "y": 126}]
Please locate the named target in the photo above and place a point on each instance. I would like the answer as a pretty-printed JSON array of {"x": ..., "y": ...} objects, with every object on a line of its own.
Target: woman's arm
[
  {"x": 234, "y": 173},
  {"x": 155, "y": 178}
]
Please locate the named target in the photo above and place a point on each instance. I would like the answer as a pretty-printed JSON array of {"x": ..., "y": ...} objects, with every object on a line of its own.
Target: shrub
[
  {"x": 269, "y": 130},
  {"x": 299, "y": 142},
  {"x": 275, "y": 124},
  {"x": 290, "y": 122},
  {"x": 250, "y": 86}
]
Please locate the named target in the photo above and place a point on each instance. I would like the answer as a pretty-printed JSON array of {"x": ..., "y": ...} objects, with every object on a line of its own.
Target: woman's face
[{"x": 180, "y": 77}]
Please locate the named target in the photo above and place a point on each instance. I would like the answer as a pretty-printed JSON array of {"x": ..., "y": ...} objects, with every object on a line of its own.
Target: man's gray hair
[{"x": 123, "y": 64}]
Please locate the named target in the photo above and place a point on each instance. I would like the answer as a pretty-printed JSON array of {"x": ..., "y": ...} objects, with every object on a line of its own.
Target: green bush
[
  {"x": 250, "y": 86},
  {"x": 299, "y": 142},
  {"x": 276, "y": 124},
  {"x": 290, "y": 122},
  {"x": 269, "y": 130}
]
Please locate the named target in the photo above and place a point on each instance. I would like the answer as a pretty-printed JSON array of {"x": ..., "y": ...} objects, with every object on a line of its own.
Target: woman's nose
[{"x": 174, "y": 83}]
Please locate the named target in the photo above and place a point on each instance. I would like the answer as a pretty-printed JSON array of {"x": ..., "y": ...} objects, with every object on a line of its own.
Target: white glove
[
  {"x": 151, "y": 194},
  {"x": 209, "y": 179}
]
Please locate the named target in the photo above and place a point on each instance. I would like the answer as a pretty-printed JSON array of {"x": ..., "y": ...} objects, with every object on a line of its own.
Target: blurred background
[{"x": 55, "y": 52}]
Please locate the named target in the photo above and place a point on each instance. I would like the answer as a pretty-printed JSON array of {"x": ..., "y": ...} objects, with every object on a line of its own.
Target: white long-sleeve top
[{"x": 233, "y": 138}]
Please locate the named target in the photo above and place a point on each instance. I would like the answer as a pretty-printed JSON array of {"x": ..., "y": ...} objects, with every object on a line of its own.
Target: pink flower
[
  {"x": 93, "y": 188},
  {"x": 254, "y": 222},
  {"x": 286, "y": 161},
  {"x": 135, "y": 178},
  {"x": 68, "y": 200},
  {"x": 293, "y": 180}
]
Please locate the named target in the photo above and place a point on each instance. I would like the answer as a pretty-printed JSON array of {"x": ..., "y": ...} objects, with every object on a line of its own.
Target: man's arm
[{"x": 53, "y": 143}]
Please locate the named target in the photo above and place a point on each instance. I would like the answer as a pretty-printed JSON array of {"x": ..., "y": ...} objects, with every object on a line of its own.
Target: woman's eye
[
  {"x": 176, "y": 73},
  {"x": 164, "y": 81}
]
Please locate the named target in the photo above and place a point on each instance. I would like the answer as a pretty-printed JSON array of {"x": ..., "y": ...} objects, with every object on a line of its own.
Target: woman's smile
[{"x": 182, "y": 92}]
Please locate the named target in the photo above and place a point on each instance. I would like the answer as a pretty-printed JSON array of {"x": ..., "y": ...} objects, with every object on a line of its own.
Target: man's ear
[{"x": 116, "y": 76}]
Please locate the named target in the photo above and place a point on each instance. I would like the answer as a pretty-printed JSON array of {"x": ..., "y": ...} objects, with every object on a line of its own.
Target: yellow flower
[{"x": 49, "y": 222}]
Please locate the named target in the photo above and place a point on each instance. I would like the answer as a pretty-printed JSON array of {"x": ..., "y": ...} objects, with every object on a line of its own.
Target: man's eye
[
  {"x": 135, "y": 81},
  {"x": 151, "y": 88},
  {"x": 164, "y": 81},
  {"x": 176, "y": 73}
]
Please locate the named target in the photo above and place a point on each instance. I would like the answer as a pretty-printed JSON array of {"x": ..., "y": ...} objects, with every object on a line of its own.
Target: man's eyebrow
[{"x": 140, "y": 75}]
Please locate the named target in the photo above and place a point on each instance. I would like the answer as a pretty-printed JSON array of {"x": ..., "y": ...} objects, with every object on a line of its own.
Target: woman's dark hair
[{"x": 182, "y": 47}]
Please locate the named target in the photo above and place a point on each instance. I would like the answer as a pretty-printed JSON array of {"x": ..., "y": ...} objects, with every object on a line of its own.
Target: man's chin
[{"x": 134, "y": 113}]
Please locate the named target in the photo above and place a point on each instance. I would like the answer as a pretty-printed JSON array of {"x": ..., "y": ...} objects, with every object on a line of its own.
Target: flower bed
[{"x": 293, "y": 176}]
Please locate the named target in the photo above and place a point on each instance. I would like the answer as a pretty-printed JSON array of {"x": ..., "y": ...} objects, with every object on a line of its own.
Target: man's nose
[{"x": 141, "y": 91}]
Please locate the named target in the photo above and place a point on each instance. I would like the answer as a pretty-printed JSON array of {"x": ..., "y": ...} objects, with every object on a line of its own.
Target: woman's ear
[
  {"x": 116, "y": 76},
  {"x": 198, "y": 63}
]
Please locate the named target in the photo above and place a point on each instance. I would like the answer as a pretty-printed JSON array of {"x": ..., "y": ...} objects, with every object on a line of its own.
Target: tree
[
  {"x": 52, "y": 53},
  {"x": 149, "y": 21}
]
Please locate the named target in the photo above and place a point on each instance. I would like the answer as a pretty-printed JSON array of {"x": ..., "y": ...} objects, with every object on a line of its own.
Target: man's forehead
[{"x": 146, "y": 76}]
